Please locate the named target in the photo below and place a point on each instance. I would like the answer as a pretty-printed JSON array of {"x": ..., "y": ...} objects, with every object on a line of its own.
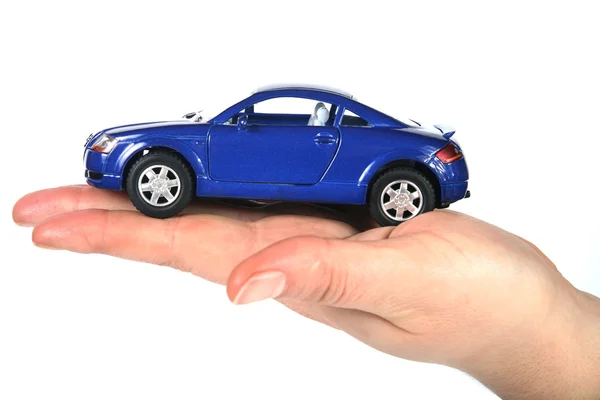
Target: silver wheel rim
[
  {"x": 159, "y": 185},
  {"x": 401, "y": 200}
]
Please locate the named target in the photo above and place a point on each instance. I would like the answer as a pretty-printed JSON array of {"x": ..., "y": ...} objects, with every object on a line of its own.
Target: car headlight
[{"x": 104, "y": 144}]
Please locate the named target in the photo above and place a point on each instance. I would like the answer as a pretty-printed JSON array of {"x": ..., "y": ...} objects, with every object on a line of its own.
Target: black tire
[
  {"x": 181, "y": 195},
  {"x": 425, "y": 202}
]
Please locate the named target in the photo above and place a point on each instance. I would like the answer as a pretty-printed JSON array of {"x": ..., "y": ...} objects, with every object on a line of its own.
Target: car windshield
[
  {"x": 217, "y": 104},
  {"x": 212, "y": 110}
]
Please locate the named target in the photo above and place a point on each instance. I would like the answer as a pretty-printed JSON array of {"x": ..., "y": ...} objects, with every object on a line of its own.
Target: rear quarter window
[{"x": 351, "y": 119}]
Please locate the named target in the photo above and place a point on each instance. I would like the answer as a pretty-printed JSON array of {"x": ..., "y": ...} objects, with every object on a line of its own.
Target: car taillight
[{"x": 449, "y": 153}]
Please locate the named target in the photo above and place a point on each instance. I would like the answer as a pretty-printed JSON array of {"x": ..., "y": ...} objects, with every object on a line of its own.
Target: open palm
[
  {"x": 442, "y": 287},
  {"x": 209, "y": 239}
]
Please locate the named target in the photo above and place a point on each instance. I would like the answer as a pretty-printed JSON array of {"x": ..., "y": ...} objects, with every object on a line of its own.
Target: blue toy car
[{"x": 344, "y": 152}]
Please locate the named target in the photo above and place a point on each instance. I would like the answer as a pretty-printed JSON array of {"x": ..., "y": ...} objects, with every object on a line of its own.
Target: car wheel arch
[
  {"x": 407, "y": 163},
  {"x": 146, "y": 149}
]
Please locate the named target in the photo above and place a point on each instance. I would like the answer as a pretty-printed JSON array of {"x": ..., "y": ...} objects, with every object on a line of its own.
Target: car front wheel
[
  {"x": 399, "y": 195},
  {"x": 160, "y": 184}
]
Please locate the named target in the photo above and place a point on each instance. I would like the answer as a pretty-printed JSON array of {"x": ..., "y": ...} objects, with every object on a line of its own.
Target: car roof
[
  {"x": 321, "y": 93},
  {"x": 316, "y": 88}
]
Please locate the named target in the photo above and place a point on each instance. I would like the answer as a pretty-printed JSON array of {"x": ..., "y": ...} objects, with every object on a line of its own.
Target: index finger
[{"x": 209, "y": 246}]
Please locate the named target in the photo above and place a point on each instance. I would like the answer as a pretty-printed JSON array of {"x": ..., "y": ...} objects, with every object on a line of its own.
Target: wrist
[
  {"x": 589, "y": 345},
  {"x": 558, "y": 358},
  {"x": 577, "y": 354}
]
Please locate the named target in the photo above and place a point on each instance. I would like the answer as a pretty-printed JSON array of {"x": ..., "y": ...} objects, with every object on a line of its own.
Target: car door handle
[{"x": 325, "y": 138}]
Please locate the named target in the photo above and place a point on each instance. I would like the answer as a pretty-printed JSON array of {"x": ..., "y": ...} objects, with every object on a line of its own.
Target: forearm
[{"x": 559, "y": 360}]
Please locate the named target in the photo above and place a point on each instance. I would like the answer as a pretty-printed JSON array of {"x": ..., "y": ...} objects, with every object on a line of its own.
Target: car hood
[{"x": 127, "y": 129}]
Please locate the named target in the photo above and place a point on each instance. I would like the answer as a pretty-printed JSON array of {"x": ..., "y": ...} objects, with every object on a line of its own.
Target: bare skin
[{"x": 443, "y": 288}]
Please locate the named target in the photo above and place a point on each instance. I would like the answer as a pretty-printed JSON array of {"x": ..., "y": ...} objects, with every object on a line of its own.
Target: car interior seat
[{"x": 320, "y": 116}]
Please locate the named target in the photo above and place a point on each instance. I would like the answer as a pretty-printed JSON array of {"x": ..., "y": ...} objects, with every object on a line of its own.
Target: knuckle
[
  {"x": 80, "y": 191},
  {"x": 96, "y": 240},
  {"x": 173, "y": 254}
]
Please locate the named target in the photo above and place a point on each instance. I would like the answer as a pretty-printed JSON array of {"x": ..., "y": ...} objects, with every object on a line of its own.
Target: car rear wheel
[
  {"x": 399, "y": 195},
  {"x": 160, "y": 184}
]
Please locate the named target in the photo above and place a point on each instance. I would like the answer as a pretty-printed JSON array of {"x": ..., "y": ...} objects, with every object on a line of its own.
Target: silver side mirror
[{"x": 242, "y": 122}]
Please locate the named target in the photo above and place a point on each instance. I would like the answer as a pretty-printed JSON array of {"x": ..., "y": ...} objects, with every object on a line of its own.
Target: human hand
[
  {"x": 209, "y": 239},
  {"x": 442, "y": 288}
]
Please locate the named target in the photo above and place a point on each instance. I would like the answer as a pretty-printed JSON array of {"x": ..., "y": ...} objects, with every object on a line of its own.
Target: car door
[{"x": 276, "y": 154}]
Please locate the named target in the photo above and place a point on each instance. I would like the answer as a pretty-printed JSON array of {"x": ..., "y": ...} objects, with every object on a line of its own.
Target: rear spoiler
[{"x": 447, "y": 130}]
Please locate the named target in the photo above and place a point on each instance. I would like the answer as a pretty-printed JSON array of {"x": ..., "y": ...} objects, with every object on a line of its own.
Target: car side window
[
  {"x": 289, "y": 111},
  {"x": 351, "y": 119},
  {"x": 286, "y": 105}
]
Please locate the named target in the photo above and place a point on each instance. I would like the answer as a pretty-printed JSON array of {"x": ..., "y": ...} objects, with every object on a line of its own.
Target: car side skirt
[{"x": 323, "y": 192}]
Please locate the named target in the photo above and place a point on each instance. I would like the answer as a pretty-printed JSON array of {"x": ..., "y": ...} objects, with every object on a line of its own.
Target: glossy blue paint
[
  {"x": 452, "y": 192},
  {"x": 296, "y": 155},
  {"x": 243, "y": 154},
  {"x": 324, "y": 192}
]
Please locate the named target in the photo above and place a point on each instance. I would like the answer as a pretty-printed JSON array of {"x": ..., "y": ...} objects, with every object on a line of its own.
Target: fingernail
[
  {"x": 45, "y": 246},
  {"x": 266, "y": 285},
  {"x": 24, "y": 224}
]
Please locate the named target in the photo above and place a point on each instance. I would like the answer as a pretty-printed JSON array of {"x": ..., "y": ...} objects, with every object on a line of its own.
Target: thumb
[{"x": 341, "y": 273}]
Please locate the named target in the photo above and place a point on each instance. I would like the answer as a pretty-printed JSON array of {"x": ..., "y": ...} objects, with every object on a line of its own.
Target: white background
[{"x": 519, "y": 81}]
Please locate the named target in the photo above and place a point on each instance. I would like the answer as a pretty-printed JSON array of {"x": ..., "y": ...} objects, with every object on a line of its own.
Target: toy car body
[{"x": 344, "y": 152}]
